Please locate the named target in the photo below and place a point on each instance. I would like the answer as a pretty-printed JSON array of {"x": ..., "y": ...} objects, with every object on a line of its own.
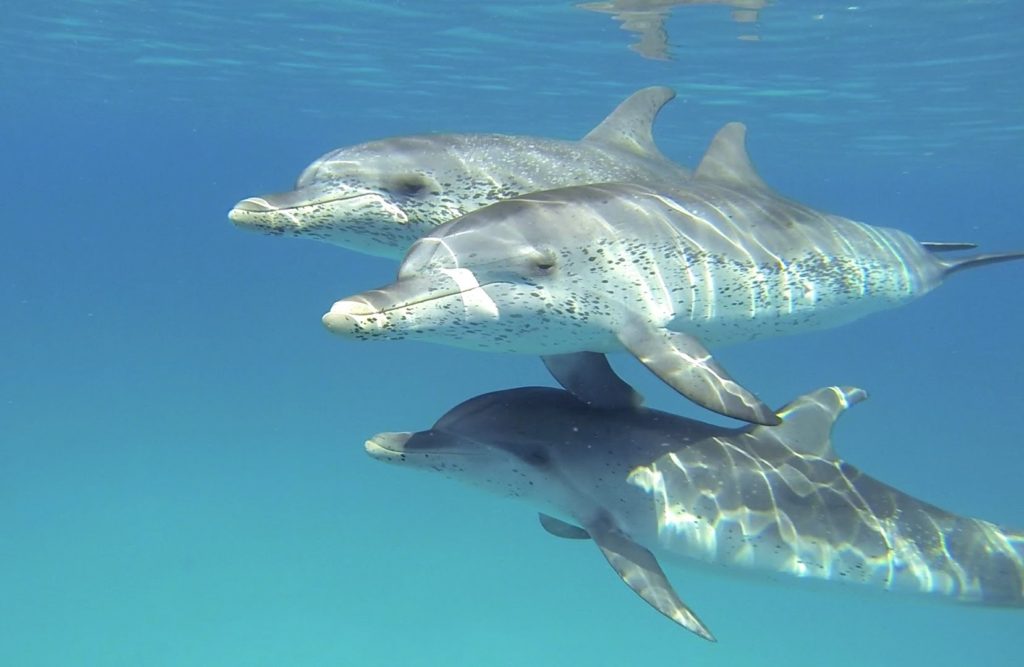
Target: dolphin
[
  {"x": 379, "y": 197},
  {"x": 776, "y": 499},
  {"x": 576, "y": 272}
]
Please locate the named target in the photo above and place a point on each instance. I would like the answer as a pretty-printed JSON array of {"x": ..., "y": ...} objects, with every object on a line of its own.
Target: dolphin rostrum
[
  {"x": 380, "y": 196},
  {"x": 769, "y": 498},
  {"x": 597, "y": 268}
]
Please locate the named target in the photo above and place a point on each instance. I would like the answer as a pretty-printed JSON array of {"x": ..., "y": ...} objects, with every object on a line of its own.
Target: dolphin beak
[
  {"x": 254, "y": 209},
  {"x": 250, "y": 205},
  {"x": 393, "y": 309},
  {"x": 387, "y": 446},
  {"x": 371, "y": 311},
  {"x": 308, "y": 208}
]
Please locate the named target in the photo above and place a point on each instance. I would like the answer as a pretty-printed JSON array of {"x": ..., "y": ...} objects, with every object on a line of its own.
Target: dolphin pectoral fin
[
  {"x": 560, "y": 528},
  {"x": 641, "y": 572},
  {"x": 682, "y": 362},
  {"x": 589, "y": 377}
]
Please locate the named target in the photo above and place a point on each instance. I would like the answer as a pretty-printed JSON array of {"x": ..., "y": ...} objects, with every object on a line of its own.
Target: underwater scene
[{"x": 437, "y": 332}]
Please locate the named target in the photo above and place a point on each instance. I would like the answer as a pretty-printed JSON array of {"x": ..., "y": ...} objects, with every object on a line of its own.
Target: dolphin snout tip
[
  {"x": 356, "y": 307},
  {"x": 250, "y": 205},
  {"x": 387, "y": 446},
  {"x": 251, "y": 212},
  {"x": 348, "y": 315}
]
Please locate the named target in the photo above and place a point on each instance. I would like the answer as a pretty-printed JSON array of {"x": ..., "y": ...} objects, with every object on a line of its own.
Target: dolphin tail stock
[
  {"x": 1013, "y": 560},
  {"x": 959, "y": 264},
  {"x": 985, "y": 561}
]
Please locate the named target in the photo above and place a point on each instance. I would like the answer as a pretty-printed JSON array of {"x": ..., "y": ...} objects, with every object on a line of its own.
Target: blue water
[{"x": 182, "y": 479}]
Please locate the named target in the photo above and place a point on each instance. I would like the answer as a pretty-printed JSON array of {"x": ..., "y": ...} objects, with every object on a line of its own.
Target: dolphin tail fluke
[
  {"x": 954, "y": 265},
  {"x": 932, "y": 246}
]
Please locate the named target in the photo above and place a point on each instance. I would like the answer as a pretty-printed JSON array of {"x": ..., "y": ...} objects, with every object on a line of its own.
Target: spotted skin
[
  {"x": 379, "y": 197},
  {"x": 605, "y": 267},
  {"x": 769, "y": 499}
]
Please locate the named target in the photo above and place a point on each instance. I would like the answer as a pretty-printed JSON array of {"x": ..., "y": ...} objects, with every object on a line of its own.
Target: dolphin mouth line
[
  {"x": 261, "y": 205},
  {"x": 472, "y": 294},
  {"x": 435, "y": 297},
  {"x": 374, "y": 445}
]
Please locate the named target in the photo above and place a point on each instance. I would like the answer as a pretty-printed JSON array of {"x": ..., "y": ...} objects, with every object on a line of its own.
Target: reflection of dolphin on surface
[
  {"x": 380, "y": 196},
  {"x": 774, "y": 499},
  {"x": 659, "y": 274},
  {"x": 646, "y": 19}
]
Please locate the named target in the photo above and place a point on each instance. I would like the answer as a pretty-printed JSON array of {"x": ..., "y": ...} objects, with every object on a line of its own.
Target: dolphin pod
[
  {"x": 572, "y": 249},
  {"x": 778, "y": 499},
  {"x": 661, "y": 274}
]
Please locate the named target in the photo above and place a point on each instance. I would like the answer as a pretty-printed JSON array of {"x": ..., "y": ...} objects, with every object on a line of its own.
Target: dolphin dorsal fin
[
  {"x": 726, "y": 160},
  {"x": 807, "y": 422},
  {"x": 630, "y": 127}
]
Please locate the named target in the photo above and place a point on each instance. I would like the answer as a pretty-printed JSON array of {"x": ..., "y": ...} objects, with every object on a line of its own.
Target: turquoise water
[{"x": 182, "y": 479}]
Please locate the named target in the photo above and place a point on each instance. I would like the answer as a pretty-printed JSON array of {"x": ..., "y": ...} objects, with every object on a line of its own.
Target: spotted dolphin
[
  {"x": 379, "y": 197},
  {"x": 576, "y": 272},
  {"x": 642, "y": 483}
]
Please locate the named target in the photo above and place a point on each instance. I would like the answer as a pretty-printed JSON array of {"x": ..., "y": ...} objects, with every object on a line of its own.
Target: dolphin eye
[
  {"x": 410, "y": 185},
  {"x": 544, "y": 261},
  {"x": 536, "y": 457}
]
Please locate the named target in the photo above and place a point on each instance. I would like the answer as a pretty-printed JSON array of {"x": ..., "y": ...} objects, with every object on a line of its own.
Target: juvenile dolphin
[
  {"x": 775, "y": 499},
  {"x": 659, "y": 273},
  {"x": 379, "y": 197}
]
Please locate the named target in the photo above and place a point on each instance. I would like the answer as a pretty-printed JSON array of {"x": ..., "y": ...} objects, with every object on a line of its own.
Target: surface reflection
[{"x": 646, "y": 19}]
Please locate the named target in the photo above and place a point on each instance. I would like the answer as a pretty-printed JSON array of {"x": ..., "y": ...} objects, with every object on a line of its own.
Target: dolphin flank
[
  {"x": 770, "y": 498},
  {"x": 576, "y": 272},
  {"x": 379, "y": 197}
]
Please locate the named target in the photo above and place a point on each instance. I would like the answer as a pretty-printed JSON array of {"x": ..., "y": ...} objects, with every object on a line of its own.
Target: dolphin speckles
[
  {"x": 769, "y": 498},
  {"x": 380, "y": 196},
  {"x": 658, "y": 273}
]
